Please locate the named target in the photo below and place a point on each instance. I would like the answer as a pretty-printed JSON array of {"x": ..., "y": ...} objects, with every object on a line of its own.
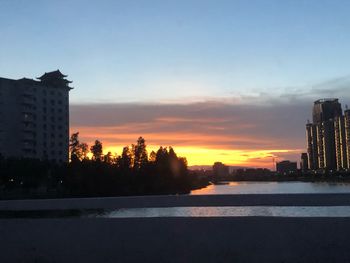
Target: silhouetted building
[
  {"x": 327, "y": 136},
  {"x": 34, "y": 117},
  {"x": 312, "y": 149},
  {"x": 340, "y": 143},
  {"x": 326, "y": 109},
  {"x": 347, "y": 135},
  {"x": 286, "y": 167},
  {"x": 304, "y": 166}
]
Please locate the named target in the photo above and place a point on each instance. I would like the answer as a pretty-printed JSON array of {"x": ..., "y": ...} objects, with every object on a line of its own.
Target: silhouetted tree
[
  {"x": 173, "y": 162},
  {"x": 108, "y": 158},
  {"x": 140, "y": 153},
  {"x": 172, "y": 154},
  {"x": 78, "y": 151},
  {"x": 162, "y": 163},
  {"x": 165, "y": 173},
  {"x": 219, "y": 169},
  {"x": 96, "y": 150},
  {"x": 84, "y": 147},
  {"x": 162, "y": 154},
  {"x": 74, "y": 149},
  {"x": 125, "y": 160},
  {"x": 152, "y": 157}
]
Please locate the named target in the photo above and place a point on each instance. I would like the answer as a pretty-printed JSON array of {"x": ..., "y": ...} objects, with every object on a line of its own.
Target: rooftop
[
  {"x": 53, "y": 74},
  {"x": 326, "y": 100}
]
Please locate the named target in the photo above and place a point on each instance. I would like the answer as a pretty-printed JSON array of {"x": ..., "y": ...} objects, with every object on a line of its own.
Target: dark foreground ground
[
  {"x": 178, "y": 200},
  {"x": 252, "y": 239},
  {"x": 235, "y": 239}
]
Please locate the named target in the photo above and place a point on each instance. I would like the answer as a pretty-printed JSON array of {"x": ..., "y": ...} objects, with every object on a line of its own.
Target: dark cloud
[
  {"x": 222, "y": 124},
  {"x": 250, "y": 123}
]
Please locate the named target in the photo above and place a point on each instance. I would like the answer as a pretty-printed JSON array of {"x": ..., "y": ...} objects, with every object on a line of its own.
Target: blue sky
[
  {"x": 222, "y": 80},
  {"x": 122, "y": 51}
]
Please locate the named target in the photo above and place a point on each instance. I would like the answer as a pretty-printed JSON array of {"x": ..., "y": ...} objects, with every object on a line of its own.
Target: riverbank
[
  {"x": 197, "y": 184},
  {"x": 280, "y": 178}
]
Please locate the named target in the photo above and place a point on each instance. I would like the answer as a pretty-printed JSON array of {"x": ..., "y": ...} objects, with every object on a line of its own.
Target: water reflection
[
  {"x": 273, "y": 188},
  {"x": 231, "y": 211}
]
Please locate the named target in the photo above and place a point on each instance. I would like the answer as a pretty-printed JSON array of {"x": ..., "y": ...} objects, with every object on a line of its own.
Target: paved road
[
  {"x": 180, "y": 200},
  {"x": 250, "y": 239},
  {"x": 236, "y": 239}
]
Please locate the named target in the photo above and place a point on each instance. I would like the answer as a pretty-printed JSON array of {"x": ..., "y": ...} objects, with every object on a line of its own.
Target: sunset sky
[{"x": 230, "y": 81}]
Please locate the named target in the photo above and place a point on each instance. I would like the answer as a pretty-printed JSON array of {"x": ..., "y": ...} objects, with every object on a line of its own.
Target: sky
[{"x": 230, "y": 81}]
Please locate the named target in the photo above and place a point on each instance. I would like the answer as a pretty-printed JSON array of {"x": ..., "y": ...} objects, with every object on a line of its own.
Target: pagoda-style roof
[
  {"x": 53, "y": 74},
  {"x": 55, "y": 78}
]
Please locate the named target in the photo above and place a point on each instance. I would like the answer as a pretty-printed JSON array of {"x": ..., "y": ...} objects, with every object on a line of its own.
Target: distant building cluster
[
  {"x": 34, "y": 117},
  {"x": 328, "y": 138},
  {"x": 286, "y": 167}
]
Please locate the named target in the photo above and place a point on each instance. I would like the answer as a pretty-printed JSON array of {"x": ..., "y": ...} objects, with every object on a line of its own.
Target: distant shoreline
[{"x": 285, "y": 179}]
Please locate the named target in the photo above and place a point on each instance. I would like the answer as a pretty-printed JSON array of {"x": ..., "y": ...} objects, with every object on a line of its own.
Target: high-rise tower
[
  {"x": 347, "y": 135},
  {"x": 327, "y": 137},
  {"x": 326, "y": 109},
  {"x": 34, "y": 117}
]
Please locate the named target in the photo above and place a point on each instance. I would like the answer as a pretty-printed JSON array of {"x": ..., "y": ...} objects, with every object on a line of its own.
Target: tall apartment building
[
  {"x": 312, "y": 152},
  {"x": 34, "y": 117},
  {"x": 347, "y": 135},
  {"x": 304, "y": 166},
  {"x": 328, "y": 137}
]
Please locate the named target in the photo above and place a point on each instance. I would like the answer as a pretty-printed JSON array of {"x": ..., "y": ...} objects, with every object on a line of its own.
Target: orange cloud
[
  {"x": 204, "y": 133},
  {"x": 199, "y": 149}
]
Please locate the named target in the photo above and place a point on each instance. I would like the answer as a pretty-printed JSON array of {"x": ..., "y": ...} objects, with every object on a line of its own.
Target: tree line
[{"x": 92, "y": 173}]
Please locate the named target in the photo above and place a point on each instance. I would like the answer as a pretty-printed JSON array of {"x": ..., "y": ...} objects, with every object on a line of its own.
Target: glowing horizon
[
  {"x": 204, "y": 133},
  {"x": 195, "y": 153},
  {"x": 207, "y": 156}
]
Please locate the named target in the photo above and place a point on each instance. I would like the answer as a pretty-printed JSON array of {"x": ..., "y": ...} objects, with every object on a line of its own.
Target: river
[{"x": 227, "y": 188}]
